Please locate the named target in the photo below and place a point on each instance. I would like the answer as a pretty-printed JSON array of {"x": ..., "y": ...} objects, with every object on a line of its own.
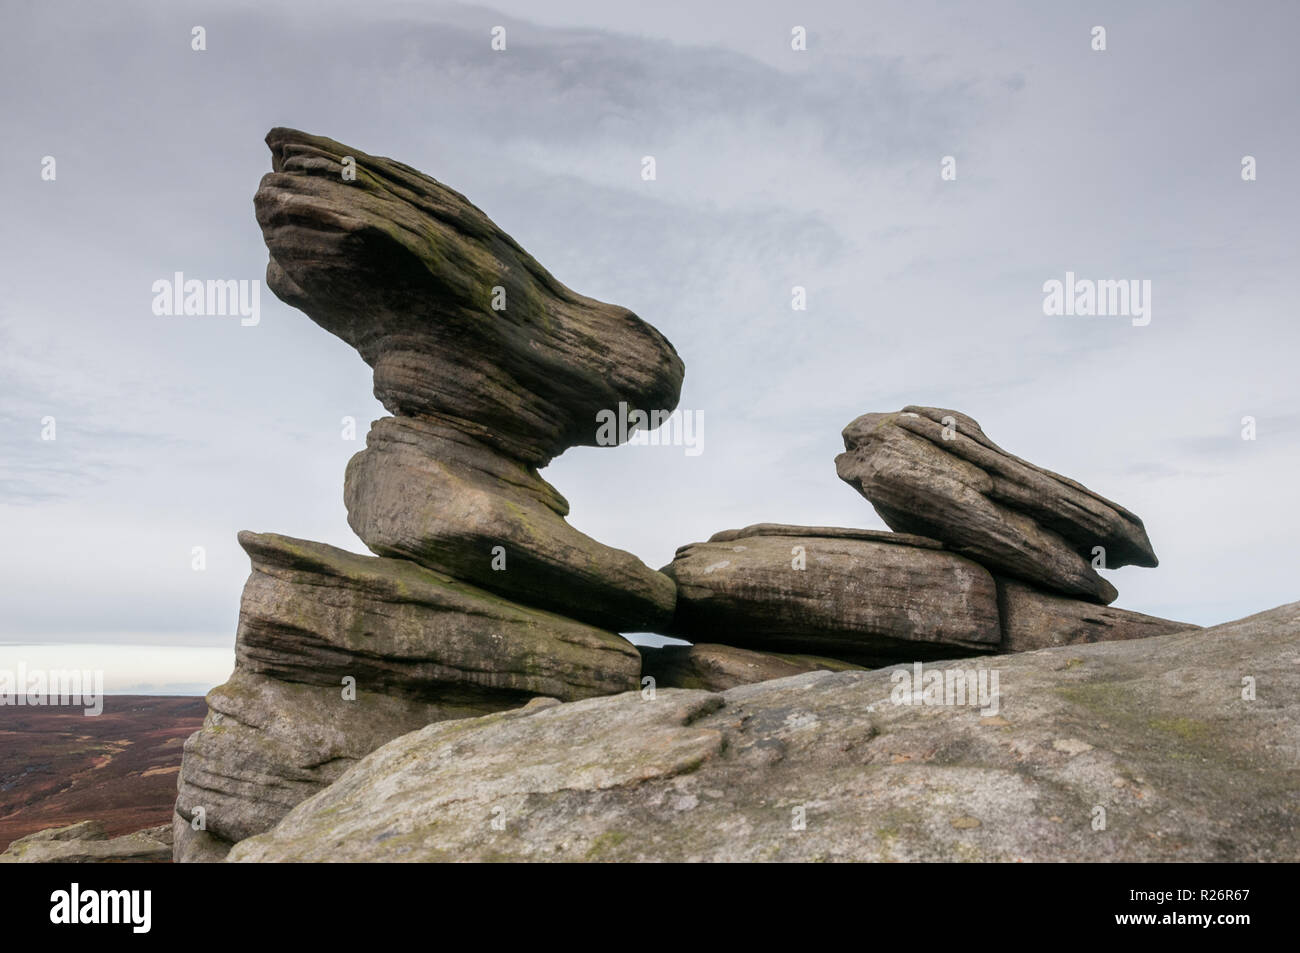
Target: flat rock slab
[
  {"x": 315, "y": 614},
  {"x": 863, "y": 600},
  {"x": 1141, "y": 750},
  {"x": 716, "y": 668},
  {"x": 1033, "y": 619},
  {"x": 457, "y": 321},
  {"x": 948, "y": 481},
  {"x": 424, "y": 491}
]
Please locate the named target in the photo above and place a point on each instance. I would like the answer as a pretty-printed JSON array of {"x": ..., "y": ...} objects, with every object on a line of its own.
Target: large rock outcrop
[
  {"x": 863, "y": 596},
  {"x": 933, "y": 472},
  {"x": 338, "y": 653},
  {"x": 1141, "y": 750}
]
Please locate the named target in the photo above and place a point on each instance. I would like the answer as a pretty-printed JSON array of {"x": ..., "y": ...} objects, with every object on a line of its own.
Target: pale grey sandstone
[
  {"x": 1153, "y": 736},
  {"x": 1005, "y": 513},
  {"x": 420, "y": 646},
  {"x": 87, "y": 842},
  {"x": 863, "y": 596}
]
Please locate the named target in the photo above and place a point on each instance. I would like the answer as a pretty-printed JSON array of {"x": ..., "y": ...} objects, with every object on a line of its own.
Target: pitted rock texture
[
  {"x": 825, "y": 766},
  {"x": 953, "y": 484}
]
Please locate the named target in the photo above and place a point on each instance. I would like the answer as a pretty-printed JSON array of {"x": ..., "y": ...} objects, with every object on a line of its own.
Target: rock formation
[
  {"x": 87, "y": 842},
  {"x": 830, "y": 766},
  {"x": 482, "y": 606},
  {"x": 933, "y": 472},
  {"x": 481, "y": 597}
]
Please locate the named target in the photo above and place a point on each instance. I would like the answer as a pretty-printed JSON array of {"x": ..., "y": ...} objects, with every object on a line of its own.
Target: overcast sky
[{"x": 775, "y": 168}]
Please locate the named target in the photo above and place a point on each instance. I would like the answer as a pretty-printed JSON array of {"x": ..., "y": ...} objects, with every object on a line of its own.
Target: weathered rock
[
  {"x": 1033, "y": 619},
  {"x": 87, "y": 842},
  {"x": 425, "y": 491},
  {"x": 1003, "y": 512},
  {"x": 864, "y": 596},
  {"x": 715, "y": 668},
  {"x": 419, "y": 646},
  {"x": 1154, "y": 732},
  {"x": 315, "y": 614},
  {"x": 405, "y": 270}
]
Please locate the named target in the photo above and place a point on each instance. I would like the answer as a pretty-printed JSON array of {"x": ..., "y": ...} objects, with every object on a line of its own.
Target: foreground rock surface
[
  {"x": 458, "y": 321},
  {"x": 953, "y": 484},
  {"x": 716, "y": 668},
  {"x": 1153, "y": 732},
  {"x": 412, "y": 645},
  {"x": 424, "y": 491},
  {"x": 87, "y": 842},
  {"x": 864, "y": 596}
]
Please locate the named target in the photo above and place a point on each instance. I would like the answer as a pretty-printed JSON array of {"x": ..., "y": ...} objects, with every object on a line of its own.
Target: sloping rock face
[
  {"x": 1145, "y": 750},
  {"x": 716, "y": 668},
  {"x": 951, "y": 483},
  {"x": 425, "y": 491},
  {"x": 1033, "y": 619},
  {"x": 417, "y": 646},
  {"x": 404, "y": 269},
  {"x": 87, "y": 842},
  {"x": 862, "y": 596}
]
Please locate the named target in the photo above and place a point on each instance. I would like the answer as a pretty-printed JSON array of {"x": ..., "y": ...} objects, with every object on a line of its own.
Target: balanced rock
[
  {"x": 458, "y": 322},
  {"x": 934, "y": 472},
  {"x": 716, "y": 668},
  {"x": 491, "y": 366},
  {"x": 338, "y": 653},
  {"x": 1033, "y": 619},
  {"x": 425, "y": 491},
  {"x": 1154, "y": 731},
  {"x": 862, "y": 596}
]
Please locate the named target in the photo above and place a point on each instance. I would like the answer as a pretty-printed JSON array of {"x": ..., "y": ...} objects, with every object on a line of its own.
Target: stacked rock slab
[
  {"x": 990, "y": 554},
  {"x": 481, "y": 597},
  {"x": 933, "y": 472},
  {"x": 863, "y": 596}
]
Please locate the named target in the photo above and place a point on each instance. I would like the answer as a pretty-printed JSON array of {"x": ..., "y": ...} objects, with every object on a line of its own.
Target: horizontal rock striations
[
  {"x": 406, "y": 271},
  {"x": 861, "y": 596}
]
